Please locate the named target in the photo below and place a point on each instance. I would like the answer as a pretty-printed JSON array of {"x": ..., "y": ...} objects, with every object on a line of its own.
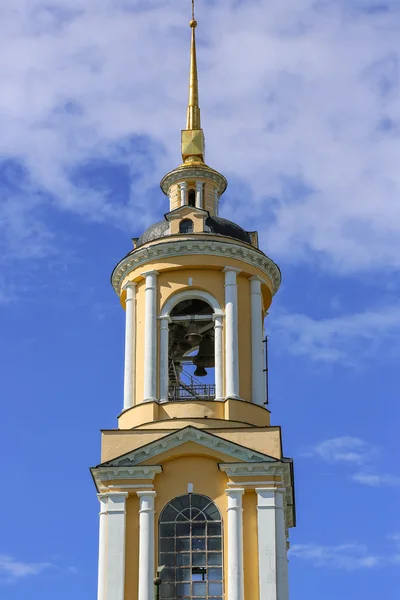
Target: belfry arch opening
[
  {"x": 191, "y": 351},
  {"x": 192, "y": 198}
]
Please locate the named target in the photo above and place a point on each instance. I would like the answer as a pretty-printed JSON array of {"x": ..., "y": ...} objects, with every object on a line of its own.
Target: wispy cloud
[
  {"x": 348, "y": 339},
  {"x": 345, "y": 449},
  {"x": 349, "y": 557},
  {"x": 376, "y": 479},
  {"x": 12, "y": 569},
  {"x": 353, "y": 452}
]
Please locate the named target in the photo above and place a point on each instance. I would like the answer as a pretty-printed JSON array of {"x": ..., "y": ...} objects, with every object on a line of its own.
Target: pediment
[
  {"x": 199, "y": 437},
  {"x": 185, "y": 211}
]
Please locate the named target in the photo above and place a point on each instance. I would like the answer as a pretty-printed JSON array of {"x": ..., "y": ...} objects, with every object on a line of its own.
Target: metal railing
[{"x": 182, "y": 391}]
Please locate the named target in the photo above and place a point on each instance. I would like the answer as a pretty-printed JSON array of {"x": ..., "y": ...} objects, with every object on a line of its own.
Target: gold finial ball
[{"x": 193, "y": 23}]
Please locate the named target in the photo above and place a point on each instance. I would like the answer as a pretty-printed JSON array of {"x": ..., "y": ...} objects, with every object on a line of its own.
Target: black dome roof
[
  {"x": 224, "y": 227},
  {"x": 154, "y": 232},
  {"x": 216, "y": 225}
]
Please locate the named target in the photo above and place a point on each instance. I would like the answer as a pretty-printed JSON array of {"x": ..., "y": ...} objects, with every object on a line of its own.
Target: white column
[
  {"x": 146, "y": 545},
  {"x": 101, "y": 581},
  {"x": 257, "y": 373},
  {"x": 272, "y": 553},
  {"x": 199, "y": 194},
  {"x": 235, "y": 584},
  {"x": 231, "y": 334},
  {"x": 183, "y": 187},
  {"x": 164, "y": 358},
  {"x": 130, "y": 345},
  {"x": 150, "y": 337},
  {"x": 219, "y": 388},
  {"x": 111, "y": 578}
]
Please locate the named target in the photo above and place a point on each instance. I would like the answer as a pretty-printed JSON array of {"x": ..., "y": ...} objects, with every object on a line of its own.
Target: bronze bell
[
  {"x": 204, "y": 357},
  {"x": 200, "y": 372},
  {"x": 181, "y": 347},
  {"x": 193, "y": 335}
]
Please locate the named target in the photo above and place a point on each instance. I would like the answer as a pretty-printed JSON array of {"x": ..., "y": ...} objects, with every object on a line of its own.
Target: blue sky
[{"x": 300, "y": 106}]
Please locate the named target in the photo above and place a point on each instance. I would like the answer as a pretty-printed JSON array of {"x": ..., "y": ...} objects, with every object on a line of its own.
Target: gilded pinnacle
[{"x": 192, "y": 136}]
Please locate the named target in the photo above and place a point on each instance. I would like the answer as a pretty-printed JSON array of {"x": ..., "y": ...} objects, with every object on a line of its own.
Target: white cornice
[
  {"x": 192, "y": 172},
  {"x": 102, "y": 475},
  {"x": 165, "y": 249}
]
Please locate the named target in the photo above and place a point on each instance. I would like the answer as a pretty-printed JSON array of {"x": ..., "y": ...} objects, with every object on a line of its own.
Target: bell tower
[{"x": 193, "y": 483}]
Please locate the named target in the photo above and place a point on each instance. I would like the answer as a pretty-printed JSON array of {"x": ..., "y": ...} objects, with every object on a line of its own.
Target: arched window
[
  {"x": 190, "y": 547},
  {"x": 186, "y": 226},
  {"x": 192, "y": 198}
]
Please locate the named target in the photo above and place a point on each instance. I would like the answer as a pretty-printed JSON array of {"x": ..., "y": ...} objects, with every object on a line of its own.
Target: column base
[
  {"x": 232, "y": 397},
  {"x": 150, "y": 400}
]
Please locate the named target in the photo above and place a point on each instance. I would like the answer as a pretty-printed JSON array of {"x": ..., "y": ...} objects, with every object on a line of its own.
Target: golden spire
[
  {"x": 193, "y": 111},
  {"x": 192, "y": 136}
]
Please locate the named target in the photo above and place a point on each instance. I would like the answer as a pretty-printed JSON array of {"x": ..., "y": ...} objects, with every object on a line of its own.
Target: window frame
[{"x": 168, "y": 552}]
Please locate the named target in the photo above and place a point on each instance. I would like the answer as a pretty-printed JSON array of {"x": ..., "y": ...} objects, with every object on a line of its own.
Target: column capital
[
  {"x": 234, "y": 491},
  {"x": 272, "y": 497},
  {"x": 183, "y": 184},
  {"x": 150, "y": 272},
  {"x": 199, "y": 184},
  {"x": 256, "y": 279},
  {"x": 231, "y": 270},
  {"x": 141, "y": 493},
  {"x": 129, "y": 285}
]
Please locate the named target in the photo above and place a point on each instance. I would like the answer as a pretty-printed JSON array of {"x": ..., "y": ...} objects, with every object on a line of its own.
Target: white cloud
[
  {"x": 346, "y": 339},
  {"x": 376, "y": 480},
  {"x": 348, "y": 557},
  {"x": 300, "y": 106},
  {"x": 12, "y": 569},
  {"x": 345, "y": 449},
  {"x": 353, "y": 452}
]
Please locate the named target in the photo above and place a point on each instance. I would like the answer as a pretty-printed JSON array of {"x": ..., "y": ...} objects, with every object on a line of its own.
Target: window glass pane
[
  {"x": 199, "y": 589},
  {"x": 182, "y": 517},
  {"x": 167, "y": 544},
  {"x": 182, "y": 544},
  {"x": 183, "y": 559},
  {"x": 214, "y": 574},
  {"x": 167, "y": 559},
  {"x": 197, "y": 515},
  {"x": 199, "y": 559},
  {"x": 182, "y": 574},
  {"x": 214, "y": 558},
  {"x": 182, "y": 589},
  {"x": 200, "y": 543},
  {"x": 167, "y": 530},
  {"x": 212, "y": 513},
  {"x": 214, "y": 528},
  {"x": 198, "y": 501},
  {"x": 214, "y": 543},
  {"x": 168, "y": 514},
  {"x": 199, "y": 529},
  {"x": 183, "y": 529},
  {"x": 167, "y": 590},
  {"x": 181, "y": 502},
  {"x": 168, "y": 575},
  {"x": 214, "y": 589}
]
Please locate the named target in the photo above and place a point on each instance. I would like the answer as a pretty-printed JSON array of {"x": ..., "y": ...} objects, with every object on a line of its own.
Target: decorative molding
[
  {"x": 185, "y": 172},
  {"x": 179, "y": 296},
  {"x": 188, "y": 434},
  {"x": 165, "y": 249},
  {"x": 104, "y": 474}
]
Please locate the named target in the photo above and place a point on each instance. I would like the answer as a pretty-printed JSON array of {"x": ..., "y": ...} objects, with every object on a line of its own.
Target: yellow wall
[
  {"x": 250, "y": 545},
  {"x": 116, "y": 442},
  {"x": 231, "y": 410},
  {"x": 244, "y": 327}
]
